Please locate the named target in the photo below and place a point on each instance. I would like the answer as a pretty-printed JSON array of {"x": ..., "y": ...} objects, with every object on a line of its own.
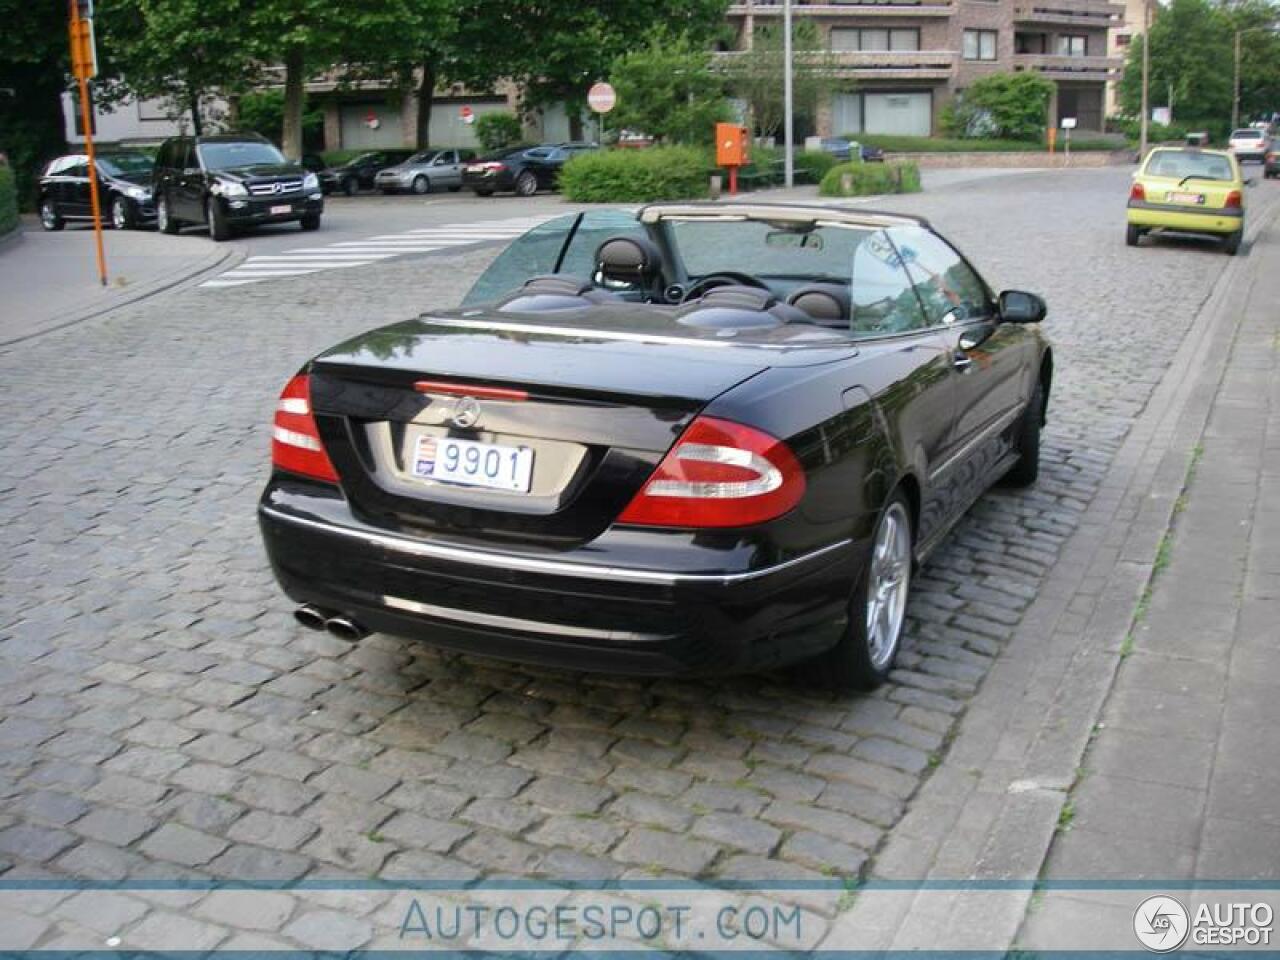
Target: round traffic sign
[
  {"x": 601, "y": 97},
  {"x": 468, "y": 115}
]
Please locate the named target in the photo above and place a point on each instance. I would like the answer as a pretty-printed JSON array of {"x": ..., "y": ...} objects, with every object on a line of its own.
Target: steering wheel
[{"x": 724, "y": 278}]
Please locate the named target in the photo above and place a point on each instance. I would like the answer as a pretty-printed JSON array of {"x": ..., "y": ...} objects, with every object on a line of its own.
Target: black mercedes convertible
[{"x": 694, "y": 439}]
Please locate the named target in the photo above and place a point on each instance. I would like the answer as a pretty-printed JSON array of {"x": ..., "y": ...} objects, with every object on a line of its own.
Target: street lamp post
[
  {"x": 1235, "y": 100},
  {"x": 788, "y": 165}
]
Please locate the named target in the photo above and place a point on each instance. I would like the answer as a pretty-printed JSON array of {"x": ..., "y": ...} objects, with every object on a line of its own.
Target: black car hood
[{"x": 260, "y": 170}]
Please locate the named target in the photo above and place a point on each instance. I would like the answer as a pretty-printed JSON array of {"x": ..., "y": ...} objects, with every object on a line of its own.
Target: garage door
[
  {"x": 367, "y": 126},
  {"x": 908, "y": 114},
  {"x": 449, "y": 129}
]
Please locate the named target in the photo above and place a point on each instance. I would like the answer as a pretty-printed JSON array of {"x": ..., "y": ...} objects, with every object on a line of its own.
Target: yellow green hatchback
[{"x": 1188, "y": 190}]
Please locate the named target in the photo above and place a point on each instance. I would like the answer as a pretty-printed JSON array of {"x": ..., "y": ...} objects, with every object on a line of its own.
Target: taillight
[
  {"x": 719, "y": 474},
  {"x": 1137, "y": 192},
  {"x": 1234, "y": 200},
  {"x": 295, "y": 439}
]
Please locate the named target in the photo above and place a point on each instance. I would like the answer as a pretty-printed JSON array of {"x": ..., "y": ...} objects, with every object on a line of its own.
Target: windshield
[
  {"x": 124, "y": 164},
  {"x": 778, "y": 250},
  {"x": 226, "y": 155},
  {"x": 1247, "y": 135},
  {"x": 426, "y": 156},
  {"x": 1181, "y": 164}
]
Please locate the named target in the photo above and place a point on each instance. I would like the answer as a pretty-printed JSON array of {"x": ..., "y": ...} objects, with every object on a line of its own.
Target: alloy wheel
[
  {"x": 119, "y": 215},
  {"x": 47, "y": 217},
  {"x": 888, "y": 582},
  {"x": 162, "y": 213}
]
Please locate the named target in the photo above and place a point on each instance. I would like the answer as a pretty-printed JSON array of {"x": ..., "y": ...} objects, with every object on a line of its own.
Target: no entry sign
[{"x": 601, "y": 97}]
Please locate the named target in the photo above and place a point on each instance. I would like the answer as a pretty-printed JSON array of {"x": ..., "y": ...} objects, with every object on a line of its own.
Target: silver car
[{"x": 425, "y": 171}]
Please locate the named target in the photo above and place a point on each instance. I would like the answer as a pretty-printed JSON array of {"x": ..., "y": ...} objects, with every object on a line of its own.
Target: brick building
[{"x": 907, "y": 58}]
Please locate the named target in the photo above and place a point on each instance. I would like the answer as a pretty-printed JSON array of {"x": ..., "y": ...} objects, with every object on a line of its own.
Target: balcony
[
  {"x": 855, "y": 9},
  {"x": 1068, "y": 13},
  {"x": 1059, "y": 67},
  {"x": 883, "y": 64}
]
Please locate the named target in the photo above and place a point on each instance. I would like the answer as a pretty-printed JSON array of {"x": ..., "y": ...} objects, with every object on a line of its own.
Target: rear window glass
[
  {"x": 1247, "y": 135},
  {"x": 1188, "y": 163}
]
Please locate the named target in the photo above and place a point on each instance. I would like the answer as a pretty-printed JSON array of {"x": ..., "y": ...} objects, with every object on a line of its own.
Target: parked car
[
  {"x": 523, "y": 170},
  {"x": 1188, "y": 190},
  {"x": 124, "y": 190},
  {"x": 1248, "y": 144},
  {"x": 359, "y": 172},
  {"x": 229, "y": 181},
  {"x": 843, "y": 150},
  {"x": 425, "y": 171},
  {"x": 706, "y": 445}
]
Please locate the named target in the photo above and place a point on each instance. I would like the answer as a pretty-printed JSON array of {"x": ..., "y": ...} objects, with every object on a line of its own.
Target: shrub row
[
  {"x": 904, "y": 144},
  {"x": 8, "y": 200},
  {"x": 866, "y": 179},
  {"x": 636, "y": 176}
]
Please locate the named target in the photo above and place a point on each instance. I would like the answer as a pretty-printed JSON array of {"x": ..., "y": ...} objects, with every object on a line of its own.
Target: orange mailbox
[{"x": 733, "y": 145}]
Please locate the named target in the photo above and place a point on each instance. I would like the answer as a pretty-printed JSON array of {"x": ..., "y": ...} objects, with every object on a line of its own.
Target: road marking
[{"x": 357, "y": 253}]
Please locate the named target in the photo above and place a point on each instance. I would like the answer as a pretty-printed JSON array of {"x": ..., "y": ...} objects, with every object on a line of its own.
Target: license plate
[
  {"x": 474, "y": 464},
  {"x": 282, "y": 208},
  {"x": 1186, "y": 197}
]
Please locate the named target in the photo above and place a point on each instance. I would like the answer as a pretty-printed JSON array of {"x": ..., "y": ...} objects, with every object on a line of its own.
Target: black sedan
[
  {"x": 358, "y": 173},
  {"x": 520, "y": 170},
  {"x": 718, "y": 439},
  {"x": 124, "y": 190}
]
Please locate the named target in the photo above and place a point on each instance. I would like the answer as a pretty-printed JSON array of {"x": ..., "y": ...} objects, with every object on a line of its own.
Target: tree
[
  {"x": 184, "y": 51},
  {"x": 557, "y": 50},
  {"x": 33, "y": 71},
  {"x": 669, "y": 90},
  {"x": 1193, "y": 79},
  {"x": 498, "y": 130},
  {"x": 1010, "y": 105},
  {"x": 756, "y": 75}
]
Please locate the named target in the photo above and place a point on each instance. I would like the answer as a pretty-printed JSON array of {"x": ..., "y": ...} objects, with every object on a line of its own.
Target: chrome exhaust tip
[
  {"x": 311, "y": 617},
  {"x": 346, "y": 629}
]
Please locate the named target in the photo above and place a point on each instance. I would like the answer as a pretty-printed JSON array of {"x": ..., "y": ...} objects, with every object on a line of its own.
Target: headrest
[
  {"x": 627, "y": 259},
  {"x": 826, "y": 303}
]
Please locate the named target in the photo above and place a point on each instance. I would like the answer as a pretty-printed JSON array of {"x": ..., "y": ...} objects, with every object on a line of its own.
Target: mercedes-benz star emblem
[
  {"x": 466, "y": 412},
  {"x": 277, "y": 187}
]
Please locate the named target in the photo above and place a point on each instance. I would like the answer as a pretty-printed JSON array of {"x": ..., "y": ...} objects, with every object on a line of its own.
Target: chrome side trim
[
  {"x": 590, "y": 334},
  {"x": 475, "y": 618},
  {"x": 560, "y": 568},
  {"x": 1002, "y": 424}
]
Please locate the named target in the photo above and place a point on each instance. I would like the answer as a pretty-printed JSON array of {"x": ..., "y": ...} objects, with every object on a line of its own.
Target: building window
[
  {"x": 1070, "y": 45},
  {"x": 878, "y": 39},
  {"x": 1030, "y": 43},
  {"x": 979, "y": 44},
  {"x": 1122, "y": 40}
]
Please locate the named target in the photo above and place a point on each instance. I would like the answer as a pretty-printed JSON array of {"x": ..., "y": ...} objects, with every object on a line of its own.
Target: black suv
[
  {"x": 358, "y": 173},
  {"x": 124, "y": 190},
  {"x": 231, "y": 180}
]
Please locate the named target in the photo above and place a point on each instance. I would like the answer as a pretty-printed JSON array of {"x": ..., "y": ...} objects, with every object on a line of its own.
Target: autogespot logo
[{"x": 1161, "y": 924}]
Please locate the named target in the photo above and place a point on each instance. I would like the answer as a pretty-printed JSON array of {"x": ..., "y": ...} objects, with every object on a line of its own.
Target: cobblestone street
[{"x": 164, "y": 717}]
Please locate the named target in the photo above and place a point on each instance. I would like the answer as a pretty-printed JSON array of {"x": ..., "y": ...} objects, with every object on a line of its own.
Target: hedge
[
  {"x": 636, "y": 176},
  {"x": 866, "y": 179},
  {"x": 902, "y": 144},
  {"x": 8, "y": 200}
]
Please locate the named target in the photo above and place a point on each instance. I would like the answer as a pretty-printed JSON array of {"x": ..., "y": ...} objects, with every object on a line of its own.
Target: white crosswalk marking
[{"x": 357, "y": 253}]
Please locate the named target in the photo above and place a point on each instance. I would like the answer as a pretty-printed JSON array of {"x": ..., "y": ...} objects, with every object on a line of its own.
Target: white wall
[{"x": 134, "y": 121}]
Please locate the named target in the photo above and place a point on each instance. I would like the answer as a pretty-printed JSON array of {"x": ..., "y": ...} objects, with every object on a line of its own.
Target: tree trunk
[
  {"x": 426, "y": 96},
  {"x": 574, "y": 112},
  {"x": 291, "y": 136},
  {"x": 233, "y": 111},
  {"x": 193, "y": 102}
]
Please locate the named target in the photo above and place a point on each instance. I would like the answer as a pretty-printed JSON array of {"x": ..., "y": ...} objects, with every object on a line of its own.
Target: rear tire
[
  {"x": 526, "y": 184},
  {"x": 421, "y": 185},
  {"x": 1132, "y": 235},
  {"x": 219, "y": 229},
  {"x": 1232, "y": 244},
  {"x": 865, "y": 654},
  {"x": 310, "y": 222},
  {"x": 49, "y": 218},
  {"x": 1027, "y": 470},
  {"x": 164, "y": 219}
]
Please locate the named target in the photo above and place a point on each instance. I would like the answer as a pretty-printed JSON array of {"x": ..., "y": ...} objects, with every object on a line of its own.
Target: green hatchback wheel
[{"x": 1132, "y": 235}]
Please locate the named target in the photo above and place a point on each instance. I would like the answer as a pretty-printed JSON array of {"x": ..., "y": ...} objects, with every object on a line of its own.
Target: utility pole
[
  {"x": 787, "y": 112},
  {"x": 1146, "y": 80},
  {"x": 1235, "y": 99}
]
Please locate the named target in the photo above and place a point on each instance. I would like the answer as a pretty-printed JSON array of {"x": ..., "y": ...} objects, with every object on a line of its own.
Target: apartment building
[{"x": 907, "y": 58}]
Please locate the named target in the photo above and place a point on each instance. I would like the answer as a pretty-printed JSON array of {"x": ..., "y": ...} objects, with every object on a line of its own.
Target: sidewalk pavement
[
  {"x": 1165, "y": 637},
  {"x": 1181, "y": 778}
]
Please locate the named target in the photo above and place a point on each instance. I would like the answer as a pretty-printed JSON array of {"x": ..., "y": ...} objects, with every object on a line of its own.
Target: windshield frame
[{"x": 107, "y": 162}]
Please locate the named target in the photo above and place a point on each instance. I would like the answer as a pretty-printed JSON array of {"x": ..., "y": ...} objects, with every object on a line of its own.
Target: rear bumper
[
  {"x": 489, "y": 181},
  {"x": 562, "y": 610},
  {"x": 1184, "y": 219}
]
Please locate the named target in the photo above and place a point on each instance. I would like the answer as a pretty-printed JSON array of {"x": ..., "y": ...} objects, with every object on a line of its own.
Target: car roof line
[{"x": 651, "y": 213}]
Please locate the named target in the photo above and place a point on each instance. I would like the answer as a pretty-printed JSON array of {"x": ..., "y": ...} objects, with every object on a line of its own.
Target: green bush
[
  {"x": 636, "y": 176},
  {"x": 263, "y": 112},
  {"x": 1008, "y": 106},
  {"x": 893, "y": 143},
  {"x": 8, "y": 200},
  {"x": 1130, "y": 127},
  {"x": 814, "y": 164},
  {"x": 866, "y": 179},
  {"x": 498, "y": 130}
]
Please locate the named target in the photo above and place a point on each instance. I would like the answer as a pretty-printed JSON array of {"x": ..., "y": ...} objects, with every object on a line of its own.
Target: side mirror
[{"x": 1018, "y": 306}]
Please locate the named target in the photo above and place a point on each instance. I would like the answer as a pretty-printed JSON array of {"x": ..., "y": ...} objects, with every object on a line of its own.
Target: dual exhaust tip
[{"x": 338, "y": 625}]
